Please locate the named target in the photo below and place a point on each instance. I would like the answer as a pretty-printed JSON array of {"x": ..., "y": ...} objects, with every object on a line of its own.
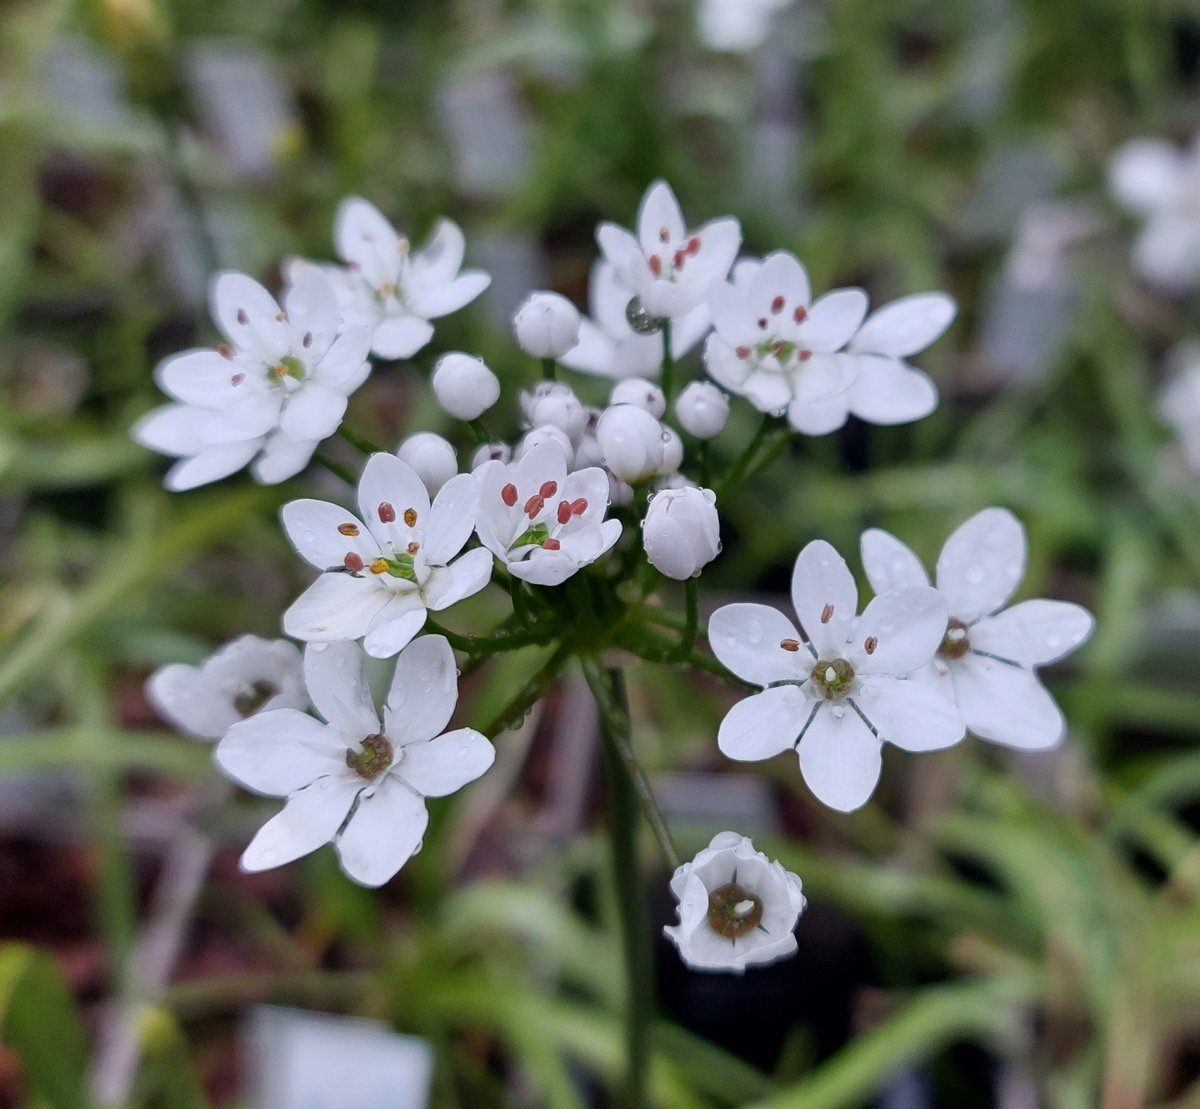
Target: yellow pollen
[
  {"x": 410, "y": 517},
  {"x": 379, "y": 566}
]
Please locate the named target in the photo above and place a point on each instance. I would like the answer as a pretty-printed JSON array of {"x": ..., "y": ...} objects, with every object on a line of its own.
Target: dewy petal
[
  {"x": 746, "y": 639},
  {"x": 201, "y": 377},
  {"x": 907, "y": 626},
  {"x": 905, "y": 326},
  {"x": 312, "y": 527},
  {"x": 840, "y": 759},
  {"x": 910, "y": 714},
  {"x": 764, "y": 724},
  {"x": 1006, "y": 704},
  {"x": 832, "y": 320},
  {"x": 659, "y": 212},
  {"x": 249, "y": 316},
  {"x": 401, "y": 336},
  {"x": 451, "y": 519},
  {"x": 210, "y": 465},
  {"x": 981, "y": 564},
  {"x": 279, "y": 752},
  {"x": 464, "y": 577},
  {"x": 312, "y": 412},
  {"x": 366, "y": 241},
  {"x": 383, "y": 834},
  {"x": 1033, "y": 633},
  {"x": 890, "y": 564},
  {"x": 423, "y": 693},
  {"x": 387, "y": 480},
  {"x": 889, "y": 392},
  {"x": 822, "y": 586},
  {"x": 395, "y": 625},
  {"x": 337, "y": 684},
  {"x": 444, "y": 765},
  {"x": 309, "y": 820},
  {"x": 335, "y": 607},
  {"x": 282, "y": 458}
]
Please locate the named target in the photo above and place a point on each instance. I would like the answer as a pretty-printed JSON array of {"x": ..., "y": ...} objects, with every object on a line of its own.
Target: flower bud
[
  {"x": 632, "y": 442},
  {"x": 681, "y": 533},
  {"x": 432, "y": 457},
  {"x": 490, "y": 452},
  {"x": 620, "y": 493},
  {"x": 464, "y": 386},
  {"x": 588, "y": 452},
  {"x": 546, "y": 325},
  {"x": 552, "y": 404},
  {"x": 540, "y": 435},
  {"x": 702, "y": 410},
  {"x": 672, "y": 452},
  {"x": 645, "y": 394}
]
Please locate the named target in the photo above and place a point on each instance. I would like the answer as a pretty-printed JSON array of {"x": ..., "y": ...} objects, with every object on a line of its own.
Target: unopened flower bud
[
  {"x": 552, "y": 404},
  {"x": 541, "y": 435},
  {"x": 702, "y": 410},
  {"x": 672, "y": 452},
  {"x": 464, "y": 386},
  {"x": 620, "y": 493},
  {"x": 645, "y": 394},
  {"x": 632, "y": 442},
  {"x": 432, "y": 457},
  {"x": 682, "y": 532},
  {"x": 490, "y": 452},
  {"x": 588, "y": 452},
  {"x": 546, "y": 325}
]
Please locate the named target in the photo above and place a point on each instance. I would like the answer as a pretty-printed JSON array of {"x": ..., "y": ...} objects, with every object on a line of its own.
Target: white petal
[
  {"x": 344, "y": 368},
  {"x": 338, "y": 687},
  {"x": 179, "y": 695},
  {"x": 394, "y": 626},
  {"x": 832, "y": 320},
  {"x": 780, "y": 275},
  {"x": 312, "y": 412},
  {"x": 210, "y": 465},
  {"x": 624, "y": 254},
  {"x": 1033, "y": 633},
  {"x": 333, "y": 608},
  {"x": 312, "y": 310},
  {"x": 282, "y": 458},
  {"x": 724, "y": 366},
  {"x": 1145, "y": 174},
  {"x": 825, "y": 597},
  {"x": 764, "y": 724},
  {"x": 686, "y": 331},
  {"x": 1006, "y": 704},
  {"x": 823, "y": 377},
  {"x": 840, "y": 759},
  {"x": 440, "y": 300},
  {"x": 384, "y": 833},
  {"x": 719, "y": 243},
  {"x": 905, "y": 326},
  {"x": 401, "y": 336},
  {"x": 732, "y": 315},
  {"x": 451, "y": 519},
  {"x": 888, "y": 392},
  {"x": 202, "y": 377},
  {"x": 595, "y": 352},
  {"x": 312, "y": 526},
  {"x": 464, "y": 577},
  {"x": 910, "y": 714},
  {"x": 907, "y": 626},
  {"x": 309, "y": 820},
  {"x": 172, "y": 429},
  {"x": 444, "y": 765},
  {"x": 250, "y": 418},
  {"x": 280, "y": 751},
  {"x": 387, "y": 480},
  {"x": 819, "y": 417},
  {"x": 442, "y": 256},
  {"x": 660, "y": 222},
  {"x": 890, "y": 564},
  {"x": 249, "y": 316},
  {"x": 767, "y": 390},
  {"x": 366, "y": 241},
  {"x": 746, "y": 639},
  {"x": 981, "y": 564}
]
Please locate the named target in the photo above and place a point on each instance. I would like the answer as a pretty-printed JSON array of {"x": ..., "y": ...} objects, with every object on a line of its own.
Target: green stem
[
  {"x": 549, "y": 369},
  {"x": 702, "y": 456},
  {"x": 652, "y": 647},
  {"x": 741, "y": 466},
  {"x": 355, "y": 439},
  {"x": 687, "y": 642},
  {"x": 520, "y": 610},
  {"x": 517, "y": 705},
  {"x": 668, "y": 362},
  {"x": 479, "y": 431},
  {"x": 491, "y": 644},
  {"x": 335, "y": 467}
]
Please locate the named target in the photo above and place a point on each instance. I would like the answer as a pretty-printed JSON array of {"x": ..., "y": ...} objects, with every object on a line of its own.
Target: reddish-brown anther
[
  {"x": 579, "y": 507},
  {"x": 509, "y": 494},
  {"x": 804, "y": 355},
  {"x": 548, "y": 489},
  {"x": 348, "y": 529},
  {"x": 534, "y": 505},
  {"x": 777, "y": 305},
  {"x": 387, "y": 514},
  {"x": 551, "y": 545},
  {"x": 225, "y": 351},
  {"x": 693, "y": 246},
  {"x": 655, "y": 264},
  {"x": 742, "y": 352},
  {"x": 564, "y": 511},
  {"x": 801, "y": 313},
  {"x": 664, "y": 236},
  {"x": 354, "y": 562},
  {"x": 680, "y": 258}
]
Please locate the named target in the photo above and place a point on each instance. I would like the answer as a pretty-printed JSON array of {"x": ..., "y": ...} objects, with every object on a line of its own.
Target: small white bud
[
  {"x": 546, "y": 325},
  {"x": 464, "y": 386},
  {"x": 645, "y": 394},
  {"x": 620, "y": 493},
  {"x": 702, "y": 410},
  {"x": 432, "y": 457},
  {"x": 588, "y": 452},
  {"x": 672, "y": 452},
  {"x": 681, "y": 533},
  {"x": 540, "y": 435},
  {"x": 632, "y": 442},
  {"x": 490, "y": 452},
  {"x": 552, "y": 404}
]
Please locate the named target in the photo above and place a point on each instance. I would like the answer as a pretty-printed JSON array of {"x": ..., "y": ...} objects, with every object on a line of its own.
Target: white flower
[
  {"x": 356, "y": 781},
  {"x": 669, "y": 267},
  {"x": 546, "y": 325},
  {"x": 609, "y": 347},
  {"x": 736, "y": 26},
  {"x": 1179, "y": 401},
  {"x": 672, "y": 453},
  {"x": 390, "y": 289},
  {"x": 986, "y": 658},
  {"x": 737, "y": 908},
  {"x": 885, "y": 389},
  {"x": 246, "y": 676},
  {"x": 1160, "y": 183},
  {"x": 836, "y": 692},
  {"x": 774, "y": 348},
  {"x": 681, "y": 533},
  {"x": 275, "y": 389},
  {"x": 645, "y": 394},
  {"x": 632, "y": 442},
  {"x": 547, "y": 434},
  {"x": 553, "y": 404},
  {"x": 491, "y": 452},
  {"x": 464, "y": 386},
  {"x": 381, "y": 577},
  {"x": 434, "y": 459},
  {"x": 542, "y": 523},
  {"x": 702, "y": 410}
]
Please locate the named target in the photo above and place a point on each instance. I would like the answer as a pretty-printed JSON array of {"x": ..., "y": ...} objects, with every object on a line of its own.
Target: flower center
[
  {"x": 955, "y": 643},
  {"x": 288, "y": 366},
  {"x": 372, "y": 759},
  {"x": 733, "y": 911},
  {"x": 833, "y": 677},
  {"x": 249, "y": 701}
]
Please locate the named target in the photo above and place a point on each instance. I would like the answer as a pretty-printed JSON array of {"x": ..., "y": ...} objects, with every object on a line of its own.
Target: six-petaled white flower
[
  {"x": 737, "y": 908},
  {"x": 669, "y": 267},
  {"x": 246, "y": 676},
  {"x": 838, "y": 689},
  {"x": 380, "y": 577},
  {"x": 356, "y": 781},
  {"x": 275, "y": 389},
  {"x": 986, "y": 657},
  {"x": 542, "y": 523}
]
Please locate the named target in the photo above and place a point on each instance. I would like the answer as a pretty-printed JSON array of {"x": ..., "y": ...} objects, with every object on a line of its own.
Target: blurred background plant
[{"x": 994, "y": 929}]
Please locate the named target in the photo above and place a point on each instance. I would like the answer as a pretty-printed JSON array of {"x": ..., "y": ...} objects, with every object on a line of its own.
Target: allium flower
[
  {"x": 609, "y": 347},
  {"x": 774, "y": 348},
  {"x": 380, "y": 577},
  {"x": 354, "y": 781},
  {"x": 645, "y": 394},
  {"x": 546, "y": 325},
  {"x": 631, "y": 441},
  {"x": 836, "y": 691},
  {"x": 432, "y": 456},
  {"x": 246, "y": 676},
  {"x": 885, "y": 389},
  {"x": 737, "y": 908},
  {"x": 275, "y": 389},
  {"x": 542, "y": 523},
  {"x": 736, "y": 26},
  {"x": 986, "y": 658},
  {"x": 669, "y": 267},
  {"x": 681, "y": 533},
  {"x": 1160, "y": 183},
  {"x": 390, "y": 289},
  {"x": 464, "y": 386},
  {"x": 702, "y": 410},
  {"x": 553, "y": 404}
]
